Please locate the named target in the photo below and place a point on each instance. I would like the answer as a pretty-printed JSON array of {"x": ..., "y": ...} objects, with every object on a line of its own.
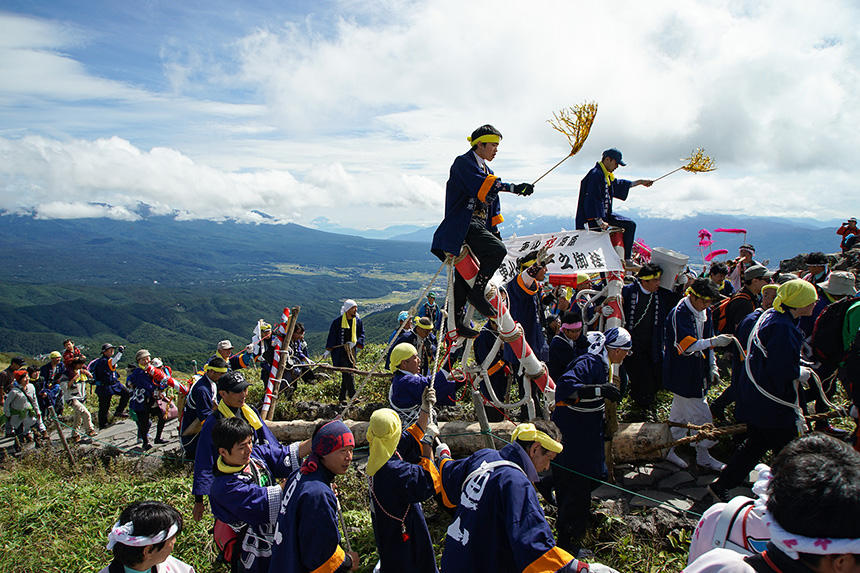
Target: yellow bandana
[
  {"x": 606, "y": 174},
  {"x": 529, "y": 433},
  {"x": 225, "y": 468},
  {"x": 247, "y": 412},
  {"x": 344, "y": 323},
  {"x": 383, "y": 435},
  {"x": 214, "y": 369},
  {"x": 488, "y": 138},
  {"x": 796, "y": 293}
]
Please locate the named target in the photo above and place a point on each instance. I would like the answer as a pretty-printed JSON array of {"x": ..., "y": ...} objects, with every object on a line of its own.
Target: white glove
[
  {"x": 326, "y": 354},
  {"x": 443, "y": 451},
  {"x": 431, "y": 432},
  {"x": 805, "y": 375},
  {"x": 714, "y": 374},
  {"x": 351, "y": 344},
  {"x": 721, "y": 340},
  {"x": 157, "y": 362},
  {"x": 607, "y": 311},
  {"x": 428, "y": 399}
]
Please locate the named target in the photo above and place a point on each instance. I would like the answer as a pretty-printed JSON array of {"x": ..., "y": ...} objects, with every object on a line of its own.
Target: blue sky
[{"x": 353, "y": 111}]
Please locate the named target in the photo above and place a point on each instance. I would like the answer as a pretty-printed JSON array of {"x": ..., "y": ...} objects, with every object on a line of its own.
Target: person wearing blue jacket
[
  {"x": 579, "y": 414},
  {"x": 472, "y": 216},
  {"x": 567, "y": 345},
  {"x": 144, "y": 391},
  {"x": 345, "y": 338},
  {"x": 401, "y": 474},
  {"x": 232, "y": 392},
  {"x": 199, "y": 404},
  {"x": 690, "y": 366},
  {"x": 245, "y": 495},
  {"x": 768, "y": 398},
  {"x": 524, "y": 300},
  {"x": 645, "y": 306},
  {"x": 597, "y": 190},
  {"x": 306, "y": 536},
  {"x": 107, "y": 383},
  {"x": 499, "y": 524},
  {"x": 407, "y": 385},
  {"x": 497, "y": 371}
]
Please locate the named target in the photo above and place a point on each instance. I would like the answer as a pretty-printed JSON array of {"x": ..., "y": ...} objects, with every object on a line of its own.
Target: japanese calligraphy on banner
[{"x": 575, "y": 251}]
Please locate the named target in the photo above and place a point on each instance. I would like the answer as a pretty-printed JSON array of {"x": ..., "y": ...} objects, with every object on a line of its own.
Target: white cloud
[{"x": 356, "y": 113}]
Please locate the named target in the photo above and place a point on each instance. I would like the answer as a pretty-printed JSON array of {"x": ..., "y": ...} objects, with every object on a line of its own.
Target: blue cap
[
  {"x": 404, "y": 314},
  {"x": 614, "y": 154}
]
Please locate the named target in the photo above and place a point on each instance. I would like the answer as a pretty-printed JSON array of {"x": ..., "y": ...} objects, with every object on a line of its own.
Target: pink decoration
[
  {"x": 823, "y": 543},
  {"x": 790, "y": 542},
  {"x": 642, "y": 246},
  {"x": 710, "y": 256},
  {"x": 739, "y": 231}
]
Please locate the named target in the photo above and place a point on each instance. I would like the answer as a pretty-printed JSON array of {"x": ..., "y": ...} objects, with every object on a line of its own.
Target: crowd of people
[{"x": 785, "y": 339}]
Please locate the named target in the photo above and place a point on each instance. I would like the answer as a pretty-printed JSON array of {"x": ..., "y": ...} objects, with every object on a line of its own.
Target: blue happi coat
[
  {"x": 467, "y": 184},
  {"x": 499, "y": 526},
  {"x": 779, "y": 335},
  {"x": 106, "y": 377},
  {"x": 252, "y": 498},
  {"x": 498, "y": 369},
  {"x": 306, "y": 537},
  {"x": 143, "y": 389},
  {"x": 397, "y": 489},
  {"x": 595, "y": 196},
  {"x": 338, "y": 337},
  {"x": 206, "y": 454},
  {"x": 660, "y": 303},
  {"x": 562, "y": 352},
  {"x": 406, "y": 389},
  {"x": 581, "y": 421},
  {"x": 525, "y": 309},
  {"x": 686, "y": 373},
  {"x": 198, "y": 406}
]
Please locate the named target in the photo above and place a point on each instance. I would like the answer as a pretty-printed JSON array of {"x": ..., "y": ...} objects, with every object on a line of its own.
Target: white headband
[
  {"x": 790, "y": 543},
  {"x": 123, "y": 534}
]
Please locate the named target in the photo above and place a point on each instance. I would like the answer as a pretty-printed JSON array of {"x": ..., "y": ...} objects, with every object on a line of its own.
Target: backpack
[
  {"x": 826, "y": 341},
  {"x": 720, "y": 313}
]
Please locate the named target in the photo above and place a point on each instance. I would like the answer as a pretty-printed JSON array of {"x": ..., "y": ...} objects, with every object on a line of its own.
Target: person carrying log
[
  {"x": 345, "y": 335},
  {"x": 472, "y": 216},
  {"x": 198, "y": 406},
  {"x": 408, "y": 385}
]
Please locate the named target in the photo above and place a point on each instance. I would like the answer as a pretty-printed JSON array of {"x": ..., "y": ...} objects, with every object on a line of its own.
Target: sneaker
[
  {"x": 718, "y": 493},
  {"x": 705, "y": 460},
  {"x": 161, "y": 441},
  {"x": 146, "y": 447},
  {"x": 674, "y": 458},
  {"x": 121, "y": 415}
]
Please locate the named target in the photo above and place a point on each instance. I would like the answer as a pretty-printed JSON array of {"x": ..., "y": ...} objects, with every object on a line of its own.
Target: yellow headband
[
  {"x": 216, "y": 369},
  {"x": 529, "y": 433},
  {"x": 651, "y": 276},
  {"x": 488, "y": 138},
  {"x": 694, "y": 293},
  {"x": 796, "y": 293},
  {"x": 527, "y": 264}
]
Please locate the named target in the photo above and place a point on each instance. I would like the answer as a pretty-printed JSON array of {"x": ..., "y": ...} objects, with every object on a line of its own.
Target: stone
[
  {"x": 694, "y": 493},
  {"x": 675, "y": 479}
]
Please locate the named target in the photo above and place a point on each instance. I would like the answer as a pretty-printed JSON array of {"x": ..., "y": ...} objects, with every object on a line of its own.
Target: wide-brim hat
[{"x": 840, "y": 283}]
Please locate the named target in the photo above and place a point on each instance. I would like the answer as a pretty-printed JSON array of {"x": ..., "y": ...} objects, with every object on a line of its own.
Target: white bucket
[{"x": 672, "y": 262}]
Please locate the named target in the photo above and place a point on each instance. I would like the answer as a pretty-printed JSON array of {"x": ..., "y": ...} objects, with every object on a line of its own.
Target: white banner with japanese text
[{"x": 574, "y": 251}]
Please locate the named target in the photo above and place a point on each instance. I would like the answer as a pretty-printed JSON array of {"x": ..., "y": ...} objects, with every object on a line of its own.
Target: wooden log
[
  {"x": 632, "y": 440},
  {"x": 628, "y": 445}
]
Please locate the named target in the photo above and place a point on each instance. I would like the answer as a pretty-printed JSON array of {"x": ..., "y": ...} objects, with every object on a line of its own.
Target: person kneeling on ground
[
  {"x": 244, "y": 495},
  {"x": 809, "y": 501},
  {"x": 307, "y": 537},
  {"x": 143, "y": 539}
]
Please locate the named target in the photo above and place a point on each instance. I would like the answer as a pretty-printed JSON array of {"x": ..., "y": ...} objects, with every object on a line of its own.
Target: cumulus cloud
[{"x": 356, "y": 112}]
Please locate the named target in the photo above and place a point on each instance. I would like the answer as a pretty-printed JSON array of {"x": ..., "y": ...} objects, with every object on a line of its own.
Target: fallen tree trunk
[{"x": 629, "y": 443}]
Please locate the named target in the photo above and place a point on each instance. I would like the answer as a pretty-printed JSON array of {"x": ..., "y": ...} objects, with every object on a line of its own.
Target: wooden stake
[
  {"x": 62, "y": 437},
  {"x": 282, "y": 363}
]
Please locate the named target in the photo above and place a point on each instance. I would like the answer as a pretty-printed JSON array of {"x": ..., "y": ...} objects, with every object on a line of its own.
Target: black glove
[
  {"x": 534, "y": 270},
  {"x": 524, "y": 189},
  {"x": 121, "y": 348}
]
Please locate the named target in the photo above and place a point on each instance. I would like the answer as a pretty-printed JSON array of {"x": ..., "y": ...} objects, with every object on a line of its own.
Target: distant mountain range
[
  {"x": 178, "y": 287},
  {"x": 774, "y": 239}
]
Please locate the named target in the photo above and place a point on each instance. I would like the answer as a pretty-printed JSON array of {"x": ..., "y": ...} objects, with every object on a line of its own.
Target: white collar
[{"x": 481, "y": 163}]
